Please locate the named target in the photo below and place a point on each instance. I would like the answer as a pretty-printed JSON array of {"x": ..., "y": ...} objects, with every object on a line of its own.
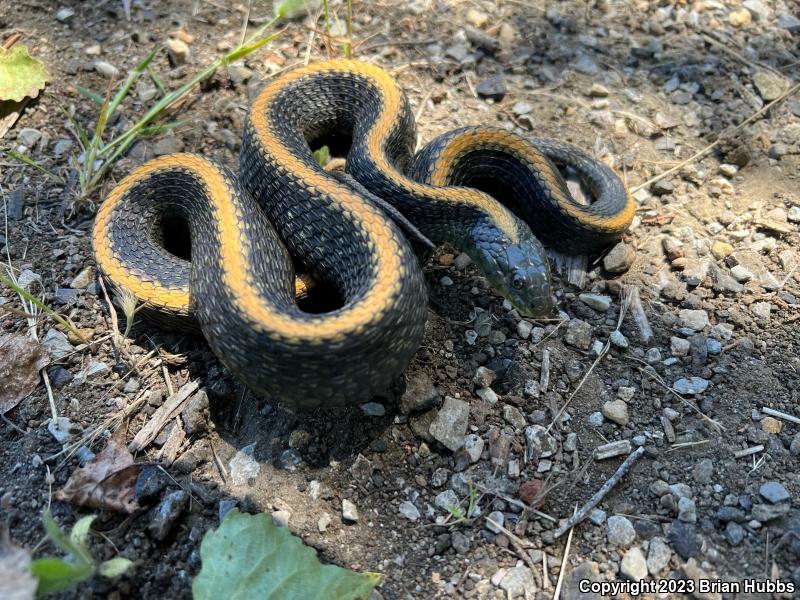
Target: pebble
[
  {"x": 168, "y": 144},
  {"x": 703, "y": 471},
  {"x": 597, "y": 516},
  {"x": 740, "y": 18},
  {"x": 794, "y": 447},
  {"x": 132, "y": 386},
  {"x": 653, "y": 356},
  {"x": 474, "y": 444},
  {"x": 167, "y": 514},
  {"x": 460, "y": 542},
  {"x": 769, "y": 85},
  {"x": 514, "y": 417},
  {"x": 493, "y": 519},
  {"x": 373, "y": 409},
  {"x": 539, "y": 443},
  {"x": 522, "y": 108},
  {"x": 62, "y": 147},
  {"x": 280, "y": 518},
  {"x": 450, "y": 423},
  {"x": 484, "y": 377},
  {"x": 734, "y": 533},
  {"x": 476, "y": 17},
  {"x": 692, "y": 385},
  {"x": 243, "y": 467},
  {"x": 28, "y": 136},
  {"x": 446, "y": 500},
  {"x": 488, "y": 395},
  {"x": 409, "y": 511},
  {"x": 616, "y": 411},
  {"x": 790, "y": 23},
  {"x": 493, "y": 88},
  {"x": 586, "y": 65},
  {"x": 598, "y": 302},
  {"x": 324, "y": 522},
  {"x": 178, "y": 51},
  {"x": 349, "y": 511},
  {"x": 687, "y": 510},
  {"x": 106, "y": 69},
  {"x": 524, "y": 329},
  {"x": 658, "y": 556},
  {"x": 764, "y": 513},
  {"x": 619, "y": 259},
  {"x": 462, "y": 261},
  {"x": 758, "y": 9},
  {"x": 518, "y": 581},
  {"x": 59, "y": 376},
  {"x": 578, "y": 334},
  {"x": 771, "y": 425},
  {"x": 196, "y": 414},
  {"x": 693, "y": 319},
  {"x": 420, "y": 394},
  {"x": 620, "y": 531},
  {"x": 774, "y": 492},
  {"x": 741, "y": 273},
  {"x": 633, "y": 564},
  {"x": 64, "y": 14},
  {"x": 618, "y": 339},
  {"x": 682, "y": 537},
  {"x": 595, "y": 419},
  {"x": 761, "y": 310},
  {"x": 679, "y": 346}
]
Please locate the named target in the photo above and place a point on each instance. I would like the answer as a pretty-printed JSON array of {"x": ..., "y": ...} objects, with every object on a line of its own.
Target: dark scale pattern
[{"x": 288, "y": 211}]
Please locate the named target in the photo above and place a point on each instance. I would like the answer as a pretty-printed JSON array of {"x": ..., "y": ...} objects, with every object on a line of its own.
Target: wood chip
[
  {"x": 172, "y": 407},
  {"x": 612, "y": 449}
]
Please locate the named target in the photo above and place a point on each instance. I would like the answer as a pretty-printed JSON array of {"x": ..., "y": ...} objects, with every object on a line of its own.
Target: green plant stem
[
  {"x": 31, "y": 163},
  {"x": 348, "y": 48},
  {"x": 31, "y": 298}
]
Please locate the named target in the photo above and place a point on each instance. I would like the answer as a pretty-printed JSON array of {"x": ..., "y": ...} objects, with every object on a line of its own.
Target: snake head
[{"x": 519, "y": 271}]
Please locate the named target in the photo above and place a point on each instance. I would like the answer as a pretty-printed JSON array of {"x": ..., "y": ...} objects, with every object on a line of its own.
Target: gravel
[{"x": 620, "y": 531}]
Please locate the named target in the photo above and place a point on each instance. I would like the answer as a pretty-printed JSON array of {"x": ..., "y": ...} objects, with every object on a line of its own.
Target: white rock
[{"x": 349, "y": 511}]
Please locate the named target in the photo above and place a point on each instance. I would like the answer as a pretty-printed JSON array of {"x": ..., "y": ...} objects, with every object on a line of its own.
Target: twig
[
  {"x": 780, "y": 415},
  {"x": 171, "y": 407},
  {"x": 639, "y": 316},
  {"x": 748, "y": 451},
  {"x": 517, "y": 543},
  {"x": 600, "y": 494},
  {"x": 562, "y": 570},
  {"x": 710, "y": 147}
]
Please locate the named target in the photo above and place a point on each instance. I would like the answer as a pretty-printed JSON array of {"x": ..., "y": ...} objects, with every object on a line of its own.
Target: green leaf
[
  {"x": 322, "y": 156},
  {"x": 21, "y": 75},
  {"x": 115, "y": 567},
  {"x": 292, "y": 9},
  {"x": 249, "y": 557},
  {"x": 55, "y": 574},
  {"x": 80, "y": 533}
]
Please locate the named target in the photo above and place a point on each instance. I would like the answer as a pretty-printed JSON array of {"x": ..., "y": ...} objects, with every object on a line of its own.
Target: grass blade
[
  {"x": 41, "y": 305},
  {"x": 31, "y": 163},
  {"x": 93, "y": 96}
]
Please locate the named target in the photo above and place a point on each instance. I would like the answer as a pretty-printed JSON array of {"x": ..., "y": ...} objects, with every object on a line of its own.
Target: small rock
[
  {"x": 349, "y": 511},
  {"x": 769, "y": 85},
  {"x": 167, "y": 513},
  {"x": 178, "y": 52},
  {"x": 530, "y": 492},
  {"x": 522, "y": 108},
  {"x": 59, "y": 376},
  {"x": 539, "y": 443},
  {"x": 633, "y": 565},
  {"x": 691, "y": 386},
  {"x": 687, "y": 511},
  {"x": 790, "y": 23},
  {"x": 64, "y": 14},
  {"x": 476, "y": 17},
  {"x": 462, "y": 261},
  {"x": 618, "y": 339},
  {"x": 460, "y": 542},
  {"x": 446, "y": 500},
  {"x": 106, "y": 69},
  {"x": 679, "y": 346},
  {"x": 734, "y": 533},
  {"x": 28, "y": 136},
  {"x": 493, "y": 88},
  {"x": 409, "y": 511},
  {"x": 758, "y": 9},
  {"x": 598, "y": 302},
  {"x": 761, "y": 310},
  {"x": 620, "y": 531},
  {"x": 474, "y": 444},
  {"x": 578, "y": 334},
  {"x": 450, "y": 423},
  {"x": 280, "y": 518},
  {"x": 150, "y": 483},
  {"x": 243, "y": 467},
  {"x": 196, "y": 414},
  {"x": 774, "y": 492},
  {"x": 324, "y": 522},
  {"x": 518, "y": 581},
  {"x": 740, "y": 18},
  {"x": 653, "y": 356},
  {"x": 764, "y": 513},
  {"x": 658, "y": 556},
  {"x": 420, "y": 394},
  {"x": 693, "y": 319},
  {"x": 771, "y": 425},
  {"x": 597, "y": 516},
  {"x": 524, "y": 329},
  {"x": 373, "y": 409},
  {"x": 794, "y": 447},
  {"x": 514, "y": 417},
  {"x": 619, "y": 259},
  {"x": 484, "y": 377},
  {"x": 586, "y": 65},
  {"x": 616, "y": 411},
  {"x": 169, "y": 144},
  {"x": 595, "y": 419},
  {"x": 682, "y": 537},
  {"x": 493, "y": 519}
]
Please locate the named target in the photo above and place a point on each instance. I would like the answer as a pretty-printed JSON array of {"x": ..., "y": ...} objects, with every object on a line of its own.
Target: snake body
[{"x": 479, "y": 188}]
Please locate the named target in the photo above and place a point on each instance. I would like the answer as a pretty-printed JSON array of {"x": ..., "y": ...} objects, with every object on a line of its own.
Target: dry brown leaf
[
  {"x": 107, "y": 481},
  {"x": 21, "y": 358},
  {"x": 16, "y": 580}
]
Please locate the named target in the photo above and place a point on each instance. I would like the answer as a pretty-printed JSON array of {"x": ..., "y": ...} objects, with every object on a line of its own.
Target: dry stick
[
  {"x": 601, "y": 493},
  {"x": 517, "y": 543},
  {"x": 171, "y": 407},
  {"x": 713, "y": 145},
  {"x": 562, "y": 570},
  {"x": 780, "y": 415},
  {"x": 748, "y": 451},
  {"x": 639, "y": 316}
]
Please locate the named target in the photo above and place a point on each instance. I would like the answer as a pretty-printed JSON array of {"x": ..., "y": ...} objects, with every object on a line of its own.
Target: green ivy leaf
[
  {"x": 55, "y": 574},
  {"x": 322, "y": 156},
  {"x": 249, "y": 557},
  {"x": 21, "y": 75}
]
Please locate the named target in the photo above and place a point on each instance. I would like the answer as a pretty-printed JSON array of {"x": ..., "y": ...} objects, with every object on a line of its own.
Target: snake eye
[{"x": 517, "y": 282}]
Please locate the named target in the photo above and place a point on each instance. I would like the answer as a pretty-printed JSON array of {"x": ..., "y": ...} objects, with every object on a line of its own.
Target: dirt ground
[{"x": 712, "y": 254}]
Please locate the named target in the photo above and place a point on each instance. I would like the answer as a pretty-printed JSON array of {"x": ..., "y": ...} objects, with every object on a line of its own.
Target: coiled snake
[{"x": 485, "y": 190}]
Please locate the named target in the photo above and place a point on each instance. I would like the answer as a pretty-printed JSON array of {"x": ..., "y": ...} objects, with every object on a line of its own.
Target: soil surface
[{"x": 712, "y": 257}]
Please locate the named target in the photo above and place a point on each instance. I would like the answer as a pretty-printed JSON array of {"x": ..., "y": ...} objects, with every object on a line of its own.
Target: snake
[{"x": 494, "y": 194}]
